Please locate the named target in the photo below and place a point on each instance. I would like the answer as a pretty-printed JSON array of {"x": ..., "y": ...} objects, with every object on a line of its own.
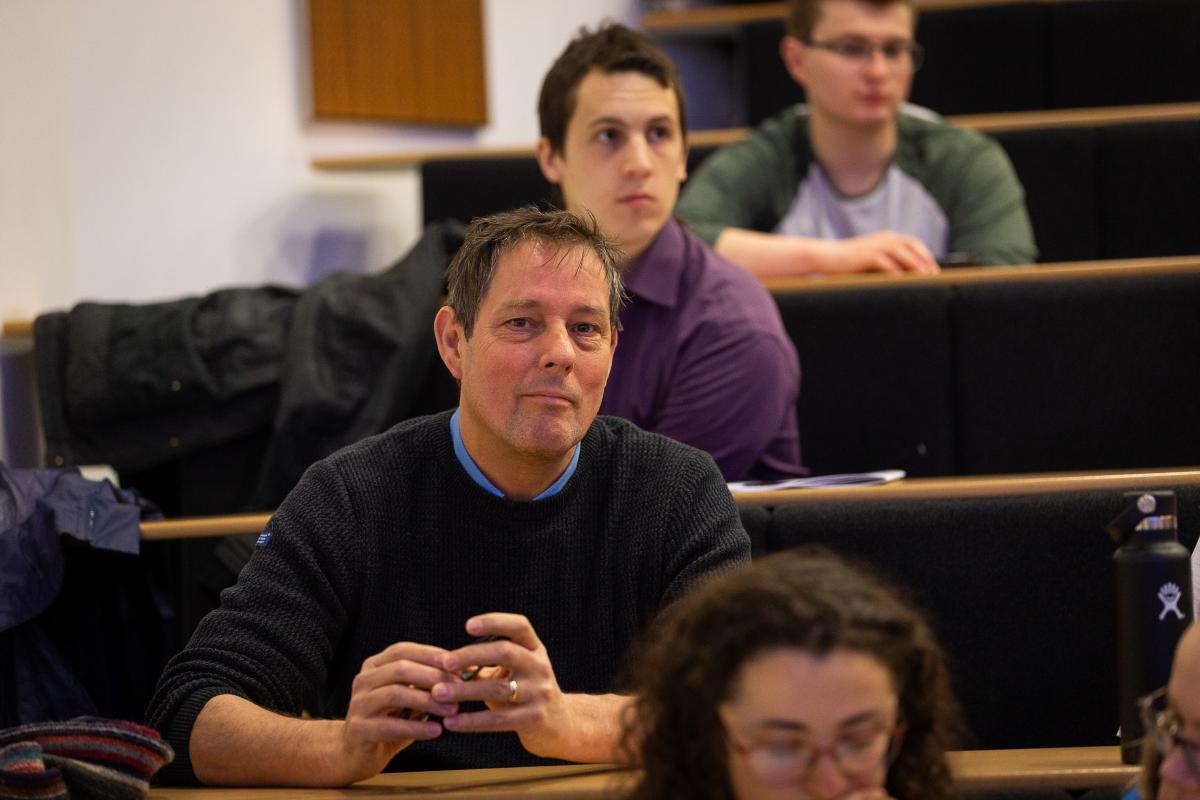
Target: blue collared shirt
[{"x": 477, "y": 475}]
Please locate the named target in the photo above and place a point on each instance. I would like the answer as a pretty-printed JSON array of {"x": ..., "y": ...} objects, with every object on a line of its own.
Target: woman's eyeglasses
[{"x": 786, "y": 761}]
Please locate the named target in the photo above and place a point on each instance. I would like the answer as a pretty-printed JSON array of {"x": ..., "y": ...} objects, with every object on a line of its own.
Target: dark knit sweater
[{"x": 390, "y": 540}]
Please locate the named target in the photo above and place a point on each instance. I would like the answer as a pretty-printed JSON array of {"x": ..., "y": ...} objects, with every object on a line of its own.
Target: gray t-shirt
[
  {"x": 897, "y": 203},
  {"x": 952, "y": 188}
]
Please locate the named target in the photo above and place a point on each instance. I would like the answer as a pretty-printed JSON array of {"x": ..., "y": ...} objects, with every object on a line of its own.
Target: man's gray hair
[{"x": 488, "y": 238}]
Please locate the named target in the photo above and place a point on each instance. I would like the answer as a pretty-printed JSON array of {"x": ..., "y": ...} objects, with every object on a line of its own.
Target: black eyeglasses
[
  {"x": 1162, "y": 725},
  {"x": 897, "y": 53}
]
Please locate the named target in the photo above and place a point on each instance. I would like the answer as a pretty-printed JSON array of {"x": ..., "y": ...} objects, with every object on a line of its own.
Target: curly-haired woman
[{"x": 799, "y": 676}]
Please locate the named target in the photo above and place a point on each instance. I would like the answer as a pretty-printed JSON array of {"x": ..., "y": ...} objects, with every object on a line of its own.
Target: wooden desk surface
[
  {"x": 1070, "y": 768},
  {"x": 1067, "y": 270},
  {"x": 907, "y": 489},
  {"x": 959, "y": 486},
  {"x": 574, "y": 781},
  {"x": 720, "y": 16},
  {"x": 1105, "y": 268},
  {"x": 17, "y": 328}
]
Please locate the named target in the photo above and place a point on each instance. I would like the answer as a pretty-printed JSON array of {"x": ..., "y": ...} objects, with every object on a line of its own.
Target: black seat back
[
  {"x": 1020, "y": 591},
  {"x": 1077, "y": 374},
  {"x": 876, "y": 389}
]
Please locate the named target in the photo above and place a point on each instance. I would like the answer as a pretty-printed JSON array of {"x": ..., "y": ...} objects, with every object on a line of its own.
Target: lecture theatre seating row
[
  {"x": 1022, "y": 57},
  {"x": 1034, "y": 370},
  {"x": 999, "y": 376},
  {"x": 1123, "y": 190},
  {"x": 1019, "y": 588},
  {"x": 1015, "y": 575}
]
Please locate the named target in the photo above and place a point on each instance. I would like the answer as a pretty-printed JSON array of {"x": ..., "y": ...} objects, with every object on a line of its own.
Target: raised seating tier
[{"x": 1099, "y": 188}]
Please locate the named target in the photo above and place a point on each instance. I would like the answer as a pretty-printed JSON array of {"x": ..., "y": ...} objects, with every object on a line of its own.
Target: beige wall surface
[{"x": 152, "y": 150}]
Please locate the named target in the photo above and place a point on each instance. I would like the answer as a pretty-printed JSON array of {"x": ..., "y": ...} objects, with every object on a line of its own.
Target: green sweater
[
  {"x": 390, "y": 540},
  {"x": 953, "y": 188}
]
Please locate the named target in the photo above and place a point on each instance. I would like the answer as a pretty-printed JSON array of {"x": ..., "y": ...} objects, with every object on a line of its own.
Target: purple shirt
[{"x": 703, "y": 358}]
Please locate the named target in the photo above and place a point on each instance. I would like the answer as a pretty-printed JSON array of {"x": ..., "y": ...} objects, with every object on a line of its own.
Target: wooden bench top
[
  {"x": 907, "y": 489},
  {"x": 988, "y": 123},
  {"x": 1115, "y": 268},
  {"x": 1067, "y": 768},
  {"x": 729, "y": 16},
  {"x": 961, "y": 276}
]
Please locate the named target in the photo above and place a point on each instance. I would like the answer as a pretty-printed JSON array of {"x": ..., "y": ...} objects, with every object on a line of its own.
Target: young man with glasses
[
  {"x": 1171, "y": 718},
  {"x": 856, "y": 180}
]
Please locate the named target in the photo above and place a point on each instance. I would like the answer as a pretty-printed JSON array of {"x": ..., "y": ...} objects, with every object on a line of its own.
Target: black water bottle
[{"x": 1154, "y": 603}]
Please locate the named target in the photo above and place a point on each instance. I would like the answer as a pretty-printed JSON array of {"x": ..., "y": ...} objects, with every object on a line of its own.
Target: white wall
[{"x": 151, "y": 149}]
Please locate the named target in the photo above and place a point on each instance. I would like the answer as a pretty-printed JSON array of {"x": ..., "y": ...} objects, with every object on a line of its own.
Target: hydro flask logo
[{"x": 1169, "y": 594}]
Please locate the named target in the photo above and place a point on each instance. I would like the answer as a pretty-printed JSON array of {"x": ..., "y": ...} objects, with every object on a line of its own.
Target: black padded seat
[
  {"x": 876, "y": 389},
  {"x": 769, "y": 88},
  {"x": 1058, "y": 168},
  {"x": 1122, "y": 52},
  {"x": 1073, "y": 374},
  {"x": 1020, "y": 591},
  {"x": 463, "y": 189},
  {"x": 983, "y": 60},
  {"x": 1149, "y": 181},
  {"x": 756, "y": 520}
]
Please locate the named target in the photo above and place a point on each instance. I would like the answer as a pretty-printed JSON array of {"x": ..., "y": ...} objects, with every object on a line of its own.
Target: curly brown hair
[{"x": 807, "y": 598}]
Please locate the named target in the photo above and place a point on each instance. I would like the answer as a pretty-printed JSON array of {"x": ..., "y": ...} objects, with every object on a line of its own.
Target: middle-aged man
[
  {"x": 1171, "y": 767},
  {"x": 520, "y": 531},
  {"x": 855, "y": 180},
  {"x": 704, "y": 357}
]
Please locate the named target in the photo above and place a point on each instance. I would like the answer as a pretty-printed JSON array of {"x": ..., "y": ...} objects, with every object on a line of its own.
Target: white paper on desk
[{"x": 820, "y": 481}]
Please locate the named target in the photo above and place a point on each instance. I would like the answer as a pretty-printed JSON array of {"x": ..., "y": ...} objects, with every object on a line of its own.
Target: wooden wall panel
[{"x": 403, "y": 60}]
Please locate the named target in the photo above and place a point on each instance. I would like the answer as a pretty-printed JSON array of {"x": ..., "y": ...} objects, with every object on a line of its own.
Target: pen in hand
[{"x": 466, "y": 674}]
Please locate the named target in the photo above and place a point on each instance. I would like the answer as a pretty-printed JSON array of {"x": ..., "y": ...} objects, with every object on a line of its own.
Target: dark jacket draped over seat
[{"x": 136, "y": 386}]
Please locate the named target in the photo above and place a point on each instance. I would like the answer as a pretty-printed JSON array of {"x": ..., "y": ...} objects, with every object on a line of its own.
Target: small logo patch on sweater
[{"x": 263, "y": 538}]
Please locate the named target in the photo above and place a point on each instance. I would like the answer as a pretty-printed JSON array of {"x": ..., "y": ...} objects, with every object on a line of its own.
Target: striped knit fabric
[
  {"x": 23, "y": 774},
  {"x": 81, "y": 758}
]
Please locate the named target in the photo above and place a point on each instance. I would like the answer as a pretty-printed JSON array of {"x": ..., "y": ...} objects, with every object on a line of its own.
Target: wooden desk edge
[
  {"x": 908, "y": 489},
  {"x": 1105, "y": 268},
  {"x": 724, "y": 17},
  {"x": 965, "y": 276},
  {"x": 204, "y": 527},
  {"x": 1057, "y": 768},
  {"x": 1070, "y": 768},
  {"x": 17, "y": 328},
  {"x": 985, "y": 123},
  {"x": 964, "y": 486}
]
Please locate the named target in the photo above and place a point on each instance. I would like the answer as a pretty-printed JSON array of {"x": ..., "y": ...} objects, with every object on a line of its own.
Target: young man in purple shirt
[{"x": 704, "y": 357}]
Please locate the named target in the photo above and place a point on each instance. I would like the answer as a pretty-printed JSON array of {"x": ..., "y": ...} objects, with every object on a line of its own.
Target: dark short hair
[
  {"x": 803, "y": 15},
  {"x": 806, "y": 598},
  {"x": 488, "y": 238},
  {"x": 610, "y": 48}
]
